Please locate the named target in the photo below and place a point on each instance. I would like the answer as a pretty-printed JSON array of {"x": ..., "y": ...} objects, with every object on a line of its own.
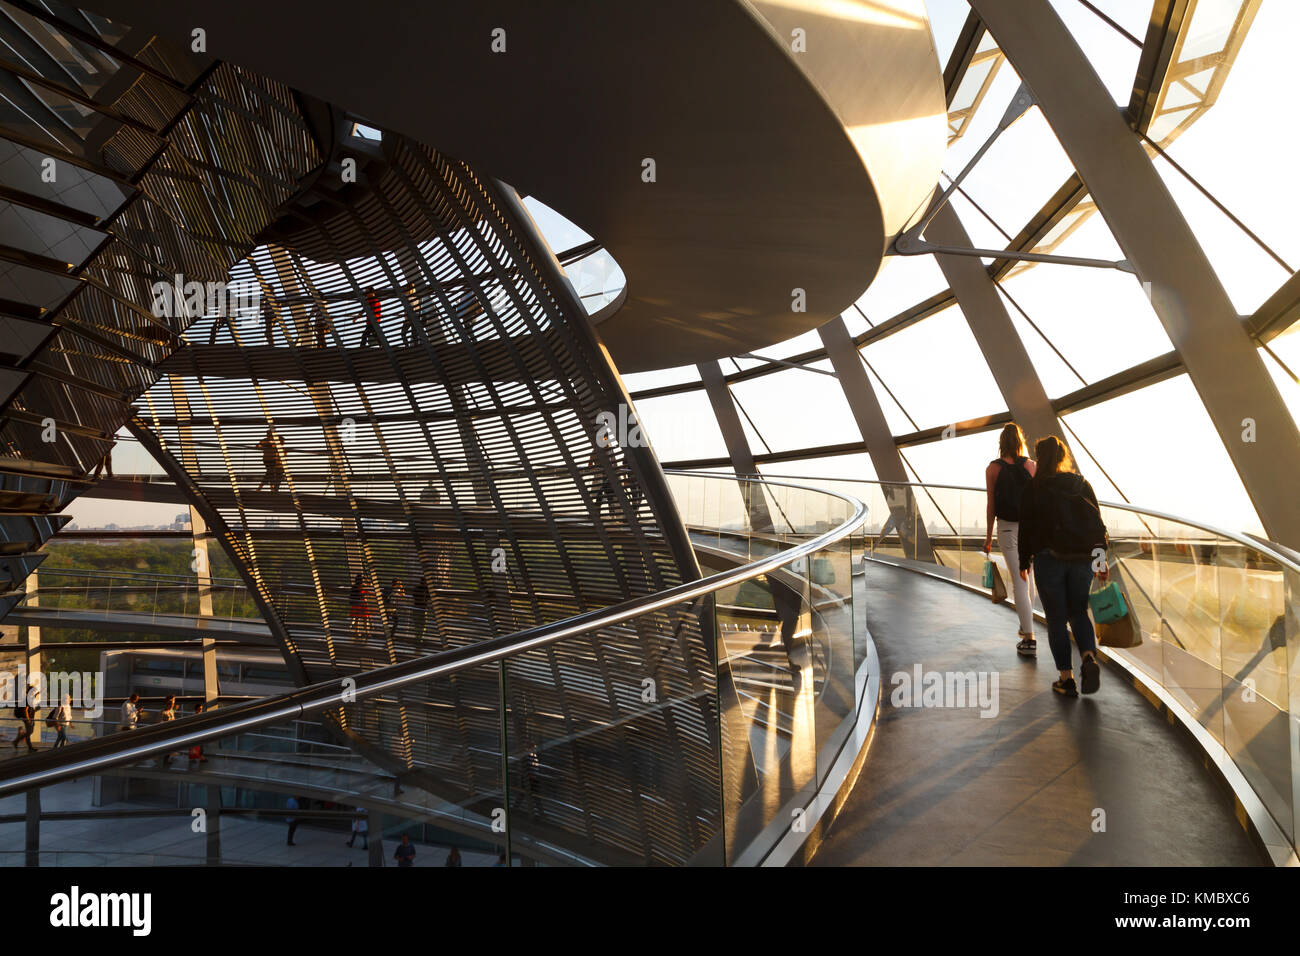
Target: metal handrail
[
  {"x": 76, "y": 760},
  {"x": 1270, "y": 549},
  {"x": 151, "y": 576}
]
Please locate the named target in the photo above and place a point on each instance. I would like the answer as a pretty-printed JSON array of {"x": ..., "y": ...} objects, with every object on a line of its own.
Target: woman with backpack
[
  {"x": 1062, "y": 534},
  {"x": 1005, "y": 480}
]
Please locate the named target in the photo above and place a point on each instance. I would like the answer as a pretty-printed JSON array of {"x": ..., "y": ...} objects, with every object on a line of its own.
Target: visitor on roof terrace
[
  {"x": 270, "y": 315},
  {"x": 272, "y": 446},
  {"x": 1005, "y": 479},
  {"x": 168, "y": 713},
  {"x": 319, "y": 322},
  {"x": 370, "y": 315},
  {"x": 360, "y": 828},
  {"x": 414, "y": 303},
  {"x": 62, "y": 720},
  {"x": 359, "y": 598},
  {"x": 395, "y": 602},
  {"x": 601, "y": 488},
  {"x": 130, "y": 713},
  {"x": 26, "y": 712},
  {"x": 1063, "y": 535},
  {"x": 405, "y": 854},
  {"x": 419, "y": 608}
]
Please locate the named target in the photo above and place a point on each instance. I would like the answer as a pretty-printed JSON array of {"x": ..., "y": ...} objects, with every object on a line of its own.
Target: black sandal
[{"x": 1028, "y": 647}]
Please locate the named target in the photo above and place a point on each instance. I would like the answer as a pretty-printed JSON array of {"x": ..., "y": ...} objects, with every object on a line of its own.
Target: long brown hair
[
  {"x": 1011, "y": 443},
  {"x": 1053, "y": 458}
]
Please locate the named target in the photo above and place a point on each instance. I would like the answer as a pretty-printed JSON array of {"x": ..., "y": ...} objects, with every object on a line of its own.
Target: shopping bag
[
  {"x": 1121, "y": 632},
  {"x": 1107, "y": 603},
  {"x": 999, "y": 589},
  {"x": 989, "y": 571}
]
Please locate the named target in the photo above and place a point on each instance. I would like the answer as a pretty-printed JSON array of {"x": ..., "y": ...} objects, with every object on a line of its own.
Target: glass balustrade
[{"x": 600, "y": 747}]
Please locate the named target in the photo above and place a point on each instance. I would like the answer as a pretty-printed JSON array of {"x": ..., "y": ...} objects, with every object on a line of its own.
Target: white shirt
[{"x": 130, "y": 715}]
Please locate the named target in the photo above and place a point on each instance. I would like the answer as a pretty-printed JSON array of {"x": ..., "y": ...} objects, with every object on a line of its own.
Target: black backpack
[
  {"x": 1008, "y": 487},
  {"x": 1077, "y": 528}
]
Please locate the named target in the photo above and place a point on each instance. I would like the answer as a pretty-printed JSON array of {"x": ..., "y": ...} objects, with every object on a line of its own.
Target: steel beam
[
  {"x": 870, "y": 418},
  {"x": 733, "y": 435},
  {"x": 994, "y": 332}
]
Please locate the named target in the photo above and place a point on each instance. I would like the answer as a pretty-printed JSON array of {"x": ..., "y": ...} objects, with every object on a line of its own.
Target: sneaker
[
  {"x": 1065, "y": 687},
  {"x": 1028, "y": 647},
  {"x": 1091, "y": 675}
]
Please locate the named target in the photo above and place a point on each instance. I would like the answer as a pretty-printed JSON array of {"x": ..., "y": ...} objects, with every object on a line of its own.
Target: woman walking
[
  {"x": 359, "y": 598},
  {"x": 62, "y": 718},
  {"x": 168, "y": 713},
  {"x": 1063, "y": 535},
  {"x": 1005, "y": 480}
]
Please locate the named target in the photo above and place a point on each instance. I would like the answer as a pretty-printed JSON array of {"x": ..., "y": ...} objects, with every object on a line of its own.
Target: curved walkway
[{"x": 945, "y": 786}]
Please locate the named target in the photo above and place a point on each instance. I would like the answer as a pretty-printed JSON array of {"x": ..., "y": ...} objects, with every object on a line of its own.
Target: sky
[{"x": 1243, "y": 150}]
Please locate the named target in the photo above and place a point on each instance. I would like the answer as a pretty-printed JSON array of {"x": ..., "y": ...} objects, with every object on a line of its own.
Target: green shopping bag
[
  {"x": 1107, "y": 604},
  {"x": 988, "y": 573}
]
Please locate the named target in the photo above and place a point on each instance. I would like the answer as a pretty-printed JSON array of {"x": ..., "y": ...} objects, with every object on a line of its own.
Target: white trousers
[{"x": 1009, "y": 545}]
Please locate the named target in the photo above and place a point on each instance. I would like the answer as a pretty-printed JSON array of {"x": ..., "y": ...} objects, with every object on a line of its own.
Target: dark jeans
[{"x": 1063, "y": 588}]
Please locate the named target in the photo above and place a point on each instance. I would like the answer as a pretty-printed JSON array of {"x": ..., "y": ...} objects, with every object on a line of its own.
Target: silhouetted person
[
  {"x": 272, "y": 459},
  {"x": 601, "y": 488},
  {"x": 371, "y": 315},
  {"x": 453, "y": 858},
  {"x": 26, "y": 713},
  {"x": 360, "y": 600},
  {"x": 292, "y": 819},
  {"x": 412, "y": 317},
  {"x": 320, "y": 323},
  {"x": 429, "y": 495},
  {"x": 360, "y": 828},
  {"x": 1062, "y": 533},
  {"x": 395, "y": 602},
  {"x": 420, "y": 607},
  {"x": 270, "y": 313},
  {"x": 62, "y": 720},
  {"x": 405, "y": 854}
]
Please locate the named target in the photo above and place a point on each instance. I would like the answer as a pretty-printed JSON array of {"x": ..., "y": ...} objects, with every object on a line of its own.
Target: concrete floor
[{"x": 945, "y": 786}]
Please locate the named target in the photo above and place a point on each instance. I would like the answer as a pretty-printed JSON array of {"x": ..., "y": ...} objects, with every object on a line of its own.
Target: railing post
[{"x": 33, "y": 837}]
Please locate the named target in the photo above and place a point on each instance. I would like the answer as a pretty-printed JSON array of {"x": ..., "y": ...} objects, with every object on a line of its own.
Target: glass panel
[
  {"x": 1255, "y": 685},
  {"x": 1189, "y": 604}
]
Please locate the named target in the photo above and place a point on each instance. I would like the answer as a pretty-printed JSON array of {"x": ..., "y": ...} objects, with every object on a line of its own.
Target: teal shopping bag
[
  {"x": 1107, "y": 604},
  {"x": 988, "y": 573}
]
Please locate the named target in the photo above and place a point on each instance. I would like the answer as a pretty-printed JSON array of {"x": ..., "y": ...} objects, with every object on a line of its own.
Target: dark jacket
[{"x": 1038, "y": 507}]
